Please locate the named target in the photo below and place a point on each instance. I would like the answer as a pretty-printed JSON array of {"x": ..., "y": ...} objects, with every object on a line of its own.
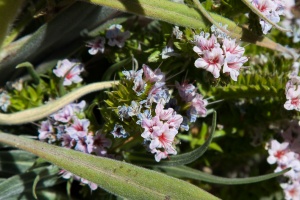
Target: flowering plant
[{"x": 149, "y": 99}]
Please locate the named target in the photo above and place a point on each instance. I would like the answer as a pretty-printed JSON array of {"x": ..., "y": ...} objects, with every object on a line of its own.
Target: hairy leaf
[{"x": 119, "y": 178}]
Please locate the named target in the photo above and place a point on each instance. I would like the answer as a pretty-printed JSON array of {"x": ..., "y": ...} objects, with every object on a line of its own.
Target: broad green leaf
[
  {"x": 187, "y": 172},
  {"x": 15, "y": 186},
  {"x": 180, "y": 159},
  {"x": 15, "y": 161},
  {"x": 119, "y": 178}
]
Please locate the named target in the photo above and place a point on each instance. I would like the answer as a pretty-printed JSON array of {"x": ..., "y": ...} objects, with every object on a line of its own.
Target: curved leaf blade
[
  {"x": 22, "y": 183},
  {"x": 119, "y": 178},
  {"x": 187, "y": 172},
  {"x": 41, "y": 112}
]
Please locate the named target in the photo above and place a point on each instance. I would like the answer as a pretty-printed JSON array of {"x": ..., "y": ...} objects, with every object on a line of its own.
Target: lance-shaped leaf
[
  {"x": 183, "y": 15},
  {"x": 120, "y": 178},
  {"x": 15, "y": 161},
  {"x": 187, "y": 172},
  {"x": 181, "y": 159},
  {"x": 18, "y": 185}
]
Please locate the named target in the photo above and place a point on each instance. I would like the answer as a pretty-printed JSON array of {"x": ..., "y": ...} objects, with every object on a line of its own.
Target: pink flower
[
  {"x": 96, "y": 46},
  {"x": 159, "y": 154},
  {"x": 69, "y": 70},
  {"x": 264, "y": 6},
  {"x": 279, "y": 153},
  {"x": 98, "y": 143},
  {"x": 292, "y": 191},
  {"x": 232, "y": 65},
  {"x": 64, "y": 115},
  {"x": 212, "y": 61},
  {"x": 163, "y": 114},
  {"x": 186, "y": 91},
  {"x": 79, "y": 128},
  {"x": 203, "y": 44},
  {"x": 46, "y": 130},
  {"x": 67, "y": 141},
  {"x": 292, "y": 92},
  {"x": 230, "y": 47},
  {"x": 151, "y": 126},
  {"x": 116, "y": 37},
  {"x": 164, "y": 138},
  {"x": 153, "y": 76},
  {"x": 198, "y": 105}
]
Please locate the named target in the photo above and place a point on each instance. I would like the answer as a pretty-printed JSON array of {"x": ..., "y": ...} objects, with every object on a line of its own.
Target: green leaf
[
  {"x": 41, "y": 112},
  {"x": 8, "y": 11},
  {"x": 180, "y": 159},
  {"x": 36, "y": 78},
  {"x": 183, "y": 15},
  {"x": 112, "y": 69},
  {"x": 19, "y": 184},
  {"x": 58, "y": 37},
  {"x": 119, "y": 178},
  {"x": 16, "y": 161},
  {"x": 187, "y": 172}
]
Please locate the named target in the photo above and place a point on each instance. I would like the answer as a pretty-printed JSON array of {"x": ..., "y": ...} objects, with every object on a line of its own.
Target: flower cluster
[
  {"x": 271, "y": 9},
  {"x": 69, "y": 70},
  {"x": 213, "y": 55},
  {"x": 69, "y": 128},
  {"x": 149, "y": 110},
  {"x": 287, "y": 155},
  {"x": 195, "y": 103},
  {"x": 292, "y": 90},
  {"x": 160, "y": 131},
  {"x": 115, "y": 37},
  {"x": 291, "y": 21}
]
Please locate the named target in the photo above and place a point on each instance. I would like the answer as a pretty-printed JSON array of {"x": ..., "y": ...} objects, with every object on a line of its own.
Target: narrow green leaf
[
  {"x": 112, "y": 69},
  {"x": 35, "y": 77},
  {"x": 15, "y": 161},
  {"x": 120, "y": 178},
  {"x": 18, "y": 184},
  {"x": 180, "y": 159},
  {"x": 41, "y": 112},
  {"x": 187, "y": 172}
]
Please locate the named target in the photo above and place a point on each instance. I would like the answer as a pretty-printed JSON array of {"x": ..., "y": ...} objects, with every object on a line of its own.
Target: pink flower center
[
  {"x": 69, "y": 75},
  {"x": 295, "y": 101},
  {"x": 279, "y": 154},
  {"x": 78, "y": 127}
]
